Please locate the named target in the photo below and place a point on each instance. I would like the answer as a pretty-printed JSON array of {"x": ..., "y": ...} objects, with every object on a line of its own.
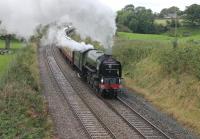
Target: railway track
[
  {"x": 91, "y": 123},
  {"x": 61, "y": 113},
  {"x": 114, "y": 122},
  {"x": 88, "y": 116},
  {"x": 135, "y": 120}
]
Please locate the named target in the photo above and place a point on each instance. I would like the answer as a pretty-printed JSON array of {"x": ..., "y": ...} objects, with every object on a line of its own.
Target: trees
[
  {"x": 145, "y": 19},
  {"x": 7, "y": 37},
  {"x": 3, "y": 35},
  {"x": 124, "y": 16},
  {"x": 170, "y": 12},
  {"x": 139, "y": 19},
  {"x": 192, "y": 14}
]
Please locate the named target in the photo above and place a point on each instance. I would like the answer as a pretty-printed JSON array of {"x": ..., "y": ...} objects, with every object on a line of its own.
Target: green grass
[
  {"x": 2, "y": 44},
  {"x": 23, "y": 113},
  {"x": 7, "y": 58},
  {"x": 193, "y": 31},
  {"x": 4, "y": 62},
  {"x": 167, "y": 77},
  {"x": 164, "y": 21},
  {"x": 193, "y": 34},
  {"x": 161, "y": 21},
  {"x": 14, "y": 44},
  {"x": 146, "y": 37},
  {"x": 162, "y": 40}
]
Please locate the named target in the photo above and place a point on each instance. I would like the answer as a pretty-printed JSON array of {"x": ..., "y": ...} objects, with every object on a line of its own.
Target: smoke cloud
[
  {"x": 90, "y": 17},
  {"x": 56, "y": 35}
]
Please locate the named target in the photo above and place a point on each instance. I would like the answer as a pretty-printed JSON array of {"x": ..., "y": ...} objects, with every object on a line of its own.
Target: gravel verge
[{"x": 169, "y": 125}]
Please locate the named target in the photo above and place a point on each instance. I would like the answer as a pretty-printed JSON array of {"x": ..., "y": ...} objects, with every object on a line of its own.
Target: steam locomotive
[{"x": 101, "y": 71}]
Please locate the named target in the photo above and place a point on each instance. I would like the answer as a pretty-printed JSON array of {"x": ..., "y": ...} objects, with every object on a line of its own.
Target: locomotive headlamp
[{"x": 102, "y": 80}]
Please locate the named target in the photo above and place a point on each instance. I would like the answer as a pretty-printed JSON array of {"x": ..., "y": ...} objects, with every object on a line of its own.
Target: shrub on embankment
[
  {"x": 181, "y": 60},
  {"x": 23, "y": 113},
  {"x": 167, "y": 77}
]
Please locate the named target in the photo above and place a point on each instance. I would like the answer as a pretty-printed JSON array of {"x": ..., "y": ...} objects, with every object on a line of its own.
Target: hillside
[
  {"x": 23, "y": 111},
  {"x": 167, "y": 77}
]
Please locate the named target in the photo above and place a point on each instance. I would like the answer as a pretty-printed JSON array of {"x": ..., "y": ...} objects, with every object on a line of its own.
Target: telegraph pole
[
  {"x": 175, "y": 43},
  {"x": 7, "y": 41}
]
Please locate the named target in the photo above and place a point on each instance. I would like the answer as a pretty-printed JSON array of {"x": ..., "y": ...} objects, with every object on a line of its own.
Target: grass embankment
[
  {"x": 168, "y": 77},
  {"x": 23, "y": 113}
]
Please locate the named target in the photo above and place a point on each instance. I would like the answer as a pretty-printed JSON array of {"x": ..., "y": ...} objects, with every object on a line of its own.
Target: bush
[
  {"x": 132, "y": 55},
  {"x": 122, "y": 28},
  {"x": 159, "y": 28},
  {"x": 181, "y": 60}
]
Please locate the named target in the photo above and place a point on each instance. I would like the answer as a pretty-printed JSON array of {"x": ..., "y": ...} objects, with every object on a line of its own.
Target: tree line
[{"x": 142, "y": 20}]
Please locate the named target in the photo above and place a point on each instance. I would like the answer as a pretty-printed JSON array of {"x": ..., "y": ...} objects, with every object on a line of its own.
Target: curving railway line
[
  {"x": 100, "y": 118},
  {"x": 88, "y": 119},
  {"x": 135, "y": 120}
]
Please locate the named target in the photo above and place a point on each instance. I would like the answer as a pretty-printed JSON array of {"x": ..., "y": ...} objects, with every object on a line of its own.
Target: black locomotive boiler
[{"x": 101, "y": 71}]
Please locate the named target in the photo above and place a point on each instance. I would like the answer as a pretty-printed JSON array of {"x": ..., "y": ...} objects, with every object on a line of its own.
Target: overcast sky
[{"x": 154, "y": 5}]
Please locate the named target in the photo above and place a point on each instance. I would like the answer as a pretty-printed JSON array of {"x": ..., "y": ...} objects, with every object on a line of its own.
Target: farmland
[
  {"x": 147, "y": 37},
  {"x": 6, "y": 59},
  {"x": 192, "y": 34},
  {"x": 167, "y": 77},
  {"x": 164, "y": 21},
  {"x": 4, "y": 62},
  {"x": 14, "y": 44}
]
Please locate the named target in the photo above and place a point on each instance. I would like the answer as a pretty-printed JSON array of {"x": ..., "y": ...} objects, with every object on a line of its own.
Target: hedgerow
[{"x": 181, "y": 60}]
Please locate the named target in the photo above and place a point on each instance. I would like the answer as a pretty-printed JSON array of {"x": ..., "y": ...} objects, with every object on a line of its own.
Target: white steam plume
[
  {"x": 89, "y": 17},
  {"x": 56, "y": 35}
]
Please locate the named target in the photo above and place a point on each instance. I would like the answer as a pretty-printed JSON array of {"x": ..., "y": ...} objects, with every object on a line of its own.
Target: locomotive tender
[{"x": 101, "y": 71}]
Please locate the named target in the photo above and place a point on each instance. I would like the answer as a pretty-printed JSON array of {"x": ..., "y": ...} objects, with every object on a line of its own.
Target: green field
[
  {"x": 164, "y": 21},
  {"x": 167, "y": 77},
  {"x": 6, "y": 59},
  {"x": 193, "y": 36},
  {"x": 146, "y": 37},
  {"x": 14, "y": 44},
  {"x": 4, "y": 62},
  {"x": 161, "y": 21}
]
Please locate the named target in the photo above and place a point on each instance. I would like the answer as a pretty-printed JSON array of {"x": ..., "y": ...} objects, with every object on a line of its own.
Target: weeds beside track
[{"x": 23, "y": 113}]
